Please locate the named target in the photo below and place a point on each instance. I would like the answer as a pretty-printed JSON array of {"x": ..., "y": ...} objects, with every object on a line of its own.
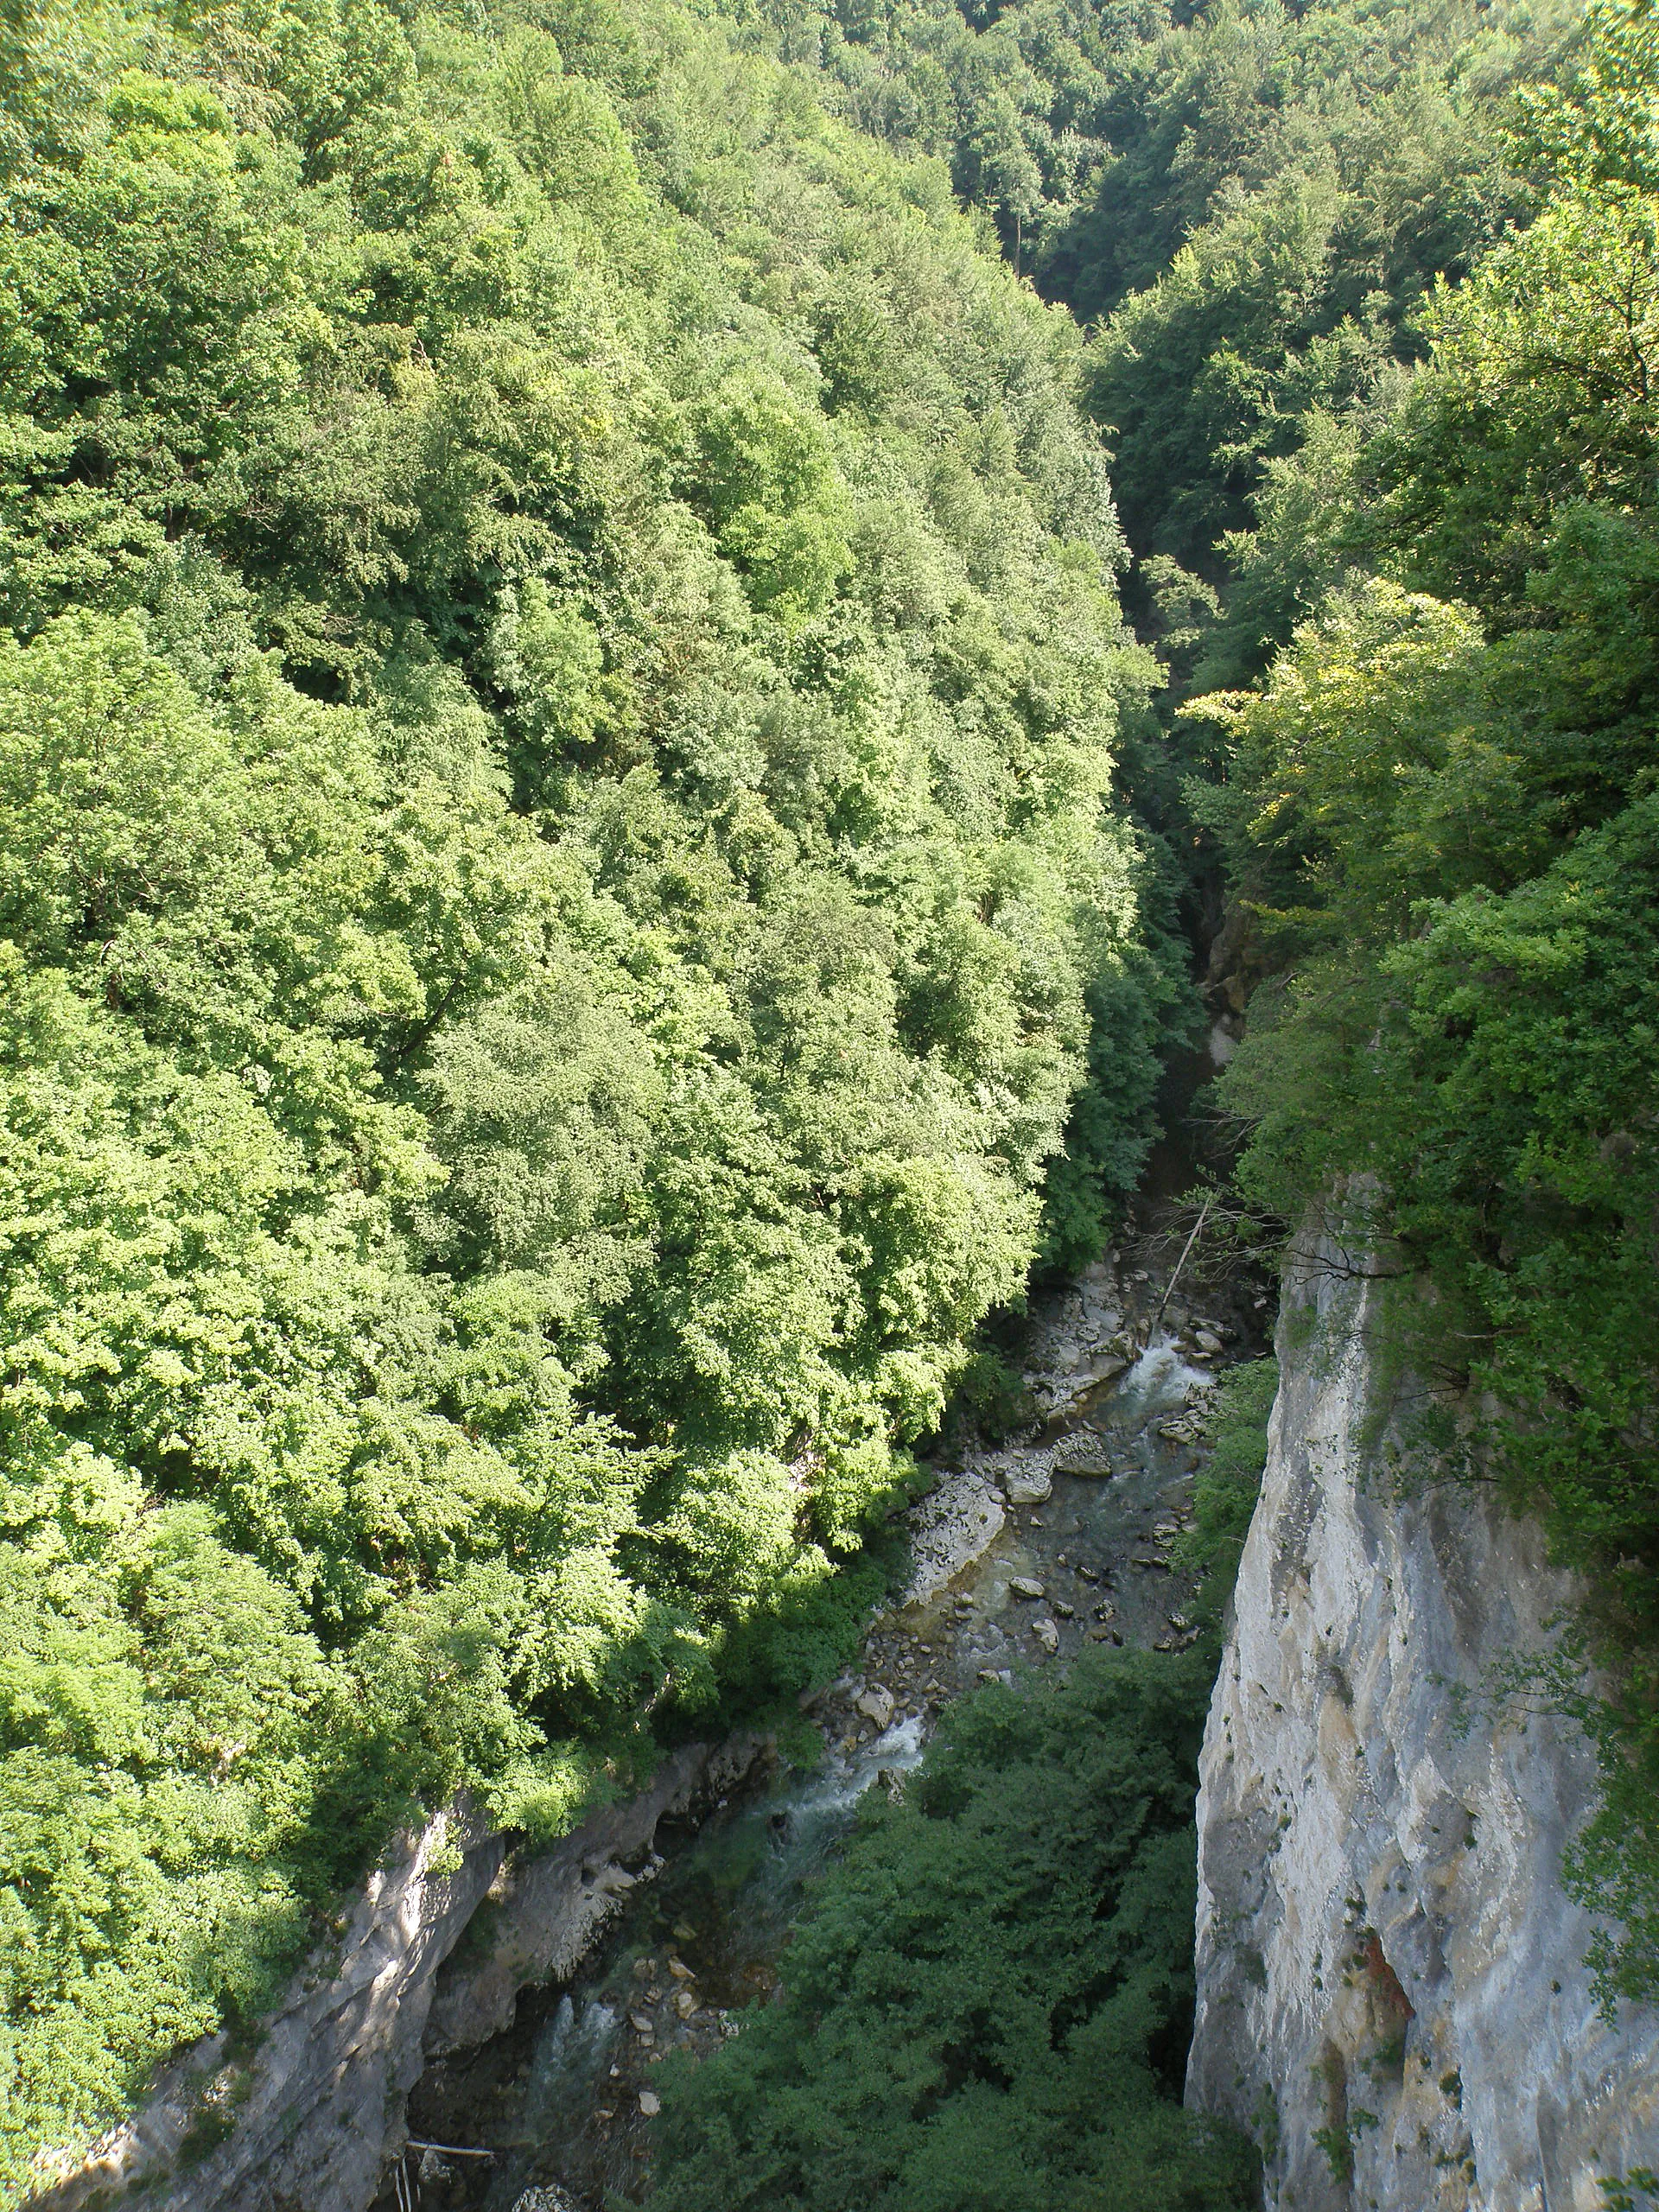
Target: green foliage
[
  {"x": 161, "y": 1706},
  {"x": 1229, "y": 1481},
  {"x": 988, "y": 2003},
  {"x": 1255, "y": 207},
  {"x": 1629, "y": 2192},
  {"x": 1318, "y": 172},
  {"x": 1337, "y": 2145},
  {"x": 559, "y": 878},
  {"x": 993, "y": 1398},
  {"x": 1250, "y": 201}
]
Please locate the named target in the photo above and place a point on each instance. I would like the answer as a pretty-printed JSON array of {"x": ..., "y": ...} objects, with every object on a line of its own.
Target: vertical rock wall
[
  {"x": 305, "y": 2125},
  {"x": 1391, "y": 1987}
]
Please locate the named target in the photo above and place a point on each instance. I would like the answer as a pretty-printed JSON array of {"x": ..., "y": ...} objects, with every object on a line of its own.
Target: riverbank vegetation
[{"x": 988, "y": 2006}]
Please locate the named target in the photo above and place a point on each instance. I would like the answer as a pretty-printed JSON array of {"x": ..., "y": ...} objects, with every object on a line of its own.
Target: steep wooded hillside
[
  {"x": 558, "y": 882},
  {"x": 588, "y": 863}
]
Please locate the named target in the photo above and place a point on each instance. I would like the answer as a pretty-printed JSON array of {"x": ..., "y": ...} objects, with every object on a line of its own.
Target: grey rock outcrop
[
  {"x": 310, "y": 2121},
  {"x": 1077, "y": 1341},
  {"x": 956, "y": 1522},
  {"x": 1391, "y": 1987},
  {"x": 549, "y": 1911},
  {"x": 310, "y": 2118}
]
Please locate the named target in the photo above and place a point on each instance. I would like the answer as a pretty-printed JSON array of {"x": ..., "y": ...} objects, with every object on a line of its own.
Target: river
[{"x": 562, "y": 2101}]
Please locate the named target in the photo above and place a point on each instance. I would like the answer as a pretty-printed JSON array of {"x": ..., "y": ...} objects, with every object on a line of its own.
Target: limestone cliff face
[
  {"x": 308, "y": 2123},
  {"x": 1391, "y": 1986}
]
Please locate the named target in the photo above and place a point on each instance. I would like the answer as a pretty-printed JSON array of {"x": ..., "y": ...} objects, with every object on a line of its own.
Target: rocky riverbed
[{"x": 1022, "y": 1553}]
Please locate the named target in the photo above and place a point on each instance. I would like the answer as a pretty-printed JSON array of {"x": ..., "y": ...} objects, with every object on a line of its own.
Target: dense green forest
[
  {"x": 590, "y": 872},
  {"x": 1249, "y": 204}
]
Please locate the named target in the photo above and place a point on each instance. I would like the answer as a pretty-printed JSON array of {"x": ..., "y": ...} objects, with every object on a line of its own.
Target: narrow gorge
[
  {"x": 515, "y": 2005},
  {"x": 1392, "y": 1997},
  {"x": 828, "y": 1164}
]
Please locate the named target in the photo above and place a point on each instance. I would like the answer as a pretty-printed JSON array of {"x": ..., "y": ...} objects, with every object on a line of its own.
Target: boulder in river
[
  {"x": 1047, "y": 1635},
  {"x": 876, "y": 1704},
  {"x": 1027, "y": 1478},
  {"x": 1083, "y": 1452},
  {"x": 1023, "y": 1586},
  {"x": 952, "y": 1526}
]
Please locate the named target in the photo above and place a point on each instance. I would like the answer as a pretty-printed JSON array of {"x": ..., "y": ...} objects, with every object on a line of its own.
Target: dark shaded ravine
[{"x": 557, "y": 2099}]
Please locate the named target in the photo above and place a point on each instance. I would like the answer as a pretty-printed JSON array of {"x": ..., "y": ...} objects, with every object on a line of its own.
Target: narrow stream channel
[{"x": 562, "y": 2099}]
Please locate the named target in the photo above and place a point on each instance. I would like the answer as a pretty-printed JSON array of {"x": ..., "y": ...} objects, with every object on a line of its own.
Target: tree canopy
[{"x": 988, "y": 2006}]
